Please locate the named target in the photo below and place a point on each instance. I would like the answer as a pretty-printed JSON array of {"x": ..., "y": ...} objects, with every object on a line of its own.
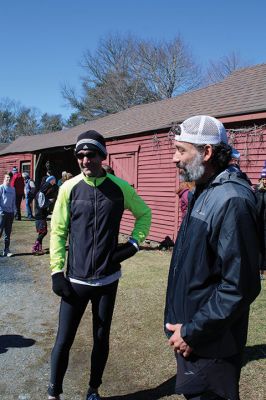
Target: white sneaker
[{"x": 7, "y": 253}]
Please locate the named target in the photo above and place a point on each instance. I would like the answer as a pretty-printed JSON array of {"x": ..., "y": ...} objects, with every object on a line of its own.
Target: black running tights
[{"x": 71, "y": 312}]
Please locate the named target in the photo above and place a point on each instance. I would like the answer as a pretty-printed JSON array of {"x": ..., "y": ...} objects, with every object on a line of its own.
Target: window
[{"x": 25, "y": 167}]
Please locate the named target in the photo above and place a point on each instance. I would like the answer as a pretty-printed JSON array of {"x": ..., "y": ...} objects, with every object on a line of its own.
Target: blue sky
[{"x": 42, "y": 41}]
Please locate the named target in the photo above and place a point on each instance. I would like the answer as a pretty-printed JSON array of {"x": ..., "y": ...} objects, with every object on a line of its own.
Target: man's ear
[{"x": 208, "y": 152}]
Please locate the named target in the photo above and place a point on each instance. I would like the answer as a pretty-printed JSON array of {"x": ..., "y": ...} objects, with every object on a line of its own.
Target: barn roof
[
  {"x": 3, "y": 146},
  {"x": 243, "y": 92}
]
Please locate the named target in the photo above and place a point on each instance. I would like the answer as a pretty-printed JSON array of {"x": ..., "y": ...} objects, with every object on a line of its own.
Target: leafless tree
[
  {"x": 225, "y": 66},
  {"x": 125, "y": 71},
  {"x": 168, "y": 68},
  {"x": 17, "y": 120}
]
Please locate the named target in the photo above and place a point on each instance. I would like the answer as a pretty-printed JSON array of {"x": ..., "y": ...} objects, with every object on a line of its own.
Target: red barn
[{"x": 139, "y": 142}]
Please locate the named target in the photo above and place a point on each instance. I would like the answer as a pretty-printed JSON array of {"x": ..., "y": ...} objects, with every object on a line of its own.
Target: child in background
[
  {"x": 7, "y": 211},
  {"x": 42, "y": 211}
]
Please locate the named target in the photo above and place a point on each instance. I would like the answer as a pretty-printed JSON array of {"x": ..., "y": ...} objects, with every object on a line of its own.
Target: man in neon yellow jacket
[{"x": 88, "y": 212}]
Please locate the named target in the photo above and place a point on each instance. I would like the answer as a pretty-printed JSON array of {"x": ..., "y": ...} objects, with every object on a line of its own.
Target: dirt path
[
  {"x": 28, "y": 323},
  {"x": 141, "y": 365}
]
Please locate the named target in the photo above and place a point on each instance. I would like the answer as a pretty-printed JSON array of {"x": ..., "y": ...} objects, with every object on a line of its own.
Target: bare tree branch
[
  {"x": 219, "y": 70},
  {"x": 125, "y": 71}
]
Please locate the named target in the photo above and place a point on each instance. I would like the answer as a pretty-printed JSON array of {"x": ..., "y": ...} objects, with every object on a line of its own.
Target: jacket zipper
[
  {"x": 187, "y": 217},
  {"x": 95, "y": 230}
]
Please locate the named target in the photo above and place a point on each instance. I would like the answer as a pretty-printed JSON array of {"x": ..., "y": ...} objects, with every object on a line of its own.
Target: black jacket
[
  {"x": 261, "y": 207},
  {"x": 89, "y": 211},
  {"x": 214, "y": 273},
  {"x": 50, "y": 192}
]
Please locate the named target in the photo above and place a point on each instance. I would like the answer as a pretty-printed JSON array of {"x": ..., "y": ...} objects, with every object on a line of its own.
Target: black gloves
[
  {"x": 125, "y": 251},
  {"x": 61, "y": 286}
]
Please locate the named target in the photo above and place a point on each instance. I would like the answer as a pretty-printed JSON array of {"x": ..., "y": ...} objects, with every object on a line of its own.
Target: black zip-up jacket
[
  {"x": 261, "y": 207},
  {"x": 214, "y": 274},
  {"x": 50, "y": 192},
  {"x": 89, "y": 211}
]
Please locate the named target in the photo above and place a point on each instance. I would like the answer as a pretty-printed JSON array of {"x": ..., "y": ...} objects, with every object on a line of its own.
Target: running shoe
[
  {"x": 93, "y": 396},
  {"x": 7, "y": 253}
]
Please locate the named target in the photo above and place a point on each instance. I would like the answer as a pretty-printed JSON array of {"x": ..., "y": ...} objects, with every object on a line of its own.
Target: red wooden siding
[
  {"x": 124, "y": 160},
  {"x": 252, "y": 146},
  {"x": 153, "y": 174},
  {"x": 157, "y": 177},
  {"x": 15, "y": 160},
  {"x": 145, "y": 161}
]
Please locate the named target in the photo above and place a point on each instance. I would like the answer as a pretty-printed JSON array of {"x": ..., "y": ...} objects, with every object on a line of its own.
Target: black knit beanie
[{"x": 91, "y": 140}]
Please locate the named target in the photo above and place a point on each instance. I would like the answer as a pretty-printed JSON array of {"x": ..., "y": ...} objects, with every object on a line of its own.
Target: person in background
[
  {"x": 214, "y": 275},
  {"x": 44, "y": 198},
  {"x": 63, "y": 178},
  {"x": 69, "y": 176},
  {"x": 108, "y": 169},
  {"x": 7, "y": 211},
  {"x": 50, "y": 171},
  {"x": 235, "y": 158},
  {"x": 53, "y": 191},
  {"x": 234, "y": 166},
  {"x": 182, "y": 192},
  {"x": 17, "y": 182},
  {"x": 29, "y": 192},
  {"x": 260, "y": 193},
  {"x": 89, "y": 209}
]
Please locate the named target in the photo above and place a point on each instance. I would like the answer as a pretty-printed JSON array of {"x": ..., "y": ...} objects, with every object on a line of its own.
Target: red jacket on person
[{"x": 17, "y": 182}]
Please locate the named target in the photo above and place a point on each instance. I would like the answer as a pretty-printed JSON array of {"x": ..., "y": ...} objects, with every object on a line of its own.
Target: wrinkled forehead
[{"x": 184, "y": 145}]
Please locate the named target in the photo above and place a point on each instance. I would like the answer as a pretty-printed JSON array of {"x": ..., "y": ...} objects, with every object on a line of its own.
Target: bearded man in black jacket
[{"x": 214, "y": 275}]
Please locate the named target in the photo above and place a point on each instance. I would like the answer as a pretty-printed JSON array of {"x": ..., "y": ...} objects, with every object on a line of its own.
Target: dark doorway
[{"x": 59, "y": 160}]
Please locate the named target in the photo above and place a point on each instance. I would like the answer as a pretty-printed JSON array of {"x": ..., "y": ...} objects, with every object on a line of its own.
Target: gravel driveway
[
  {"x": 28, "y": 320},
  {"x": 28, "y": 324}
]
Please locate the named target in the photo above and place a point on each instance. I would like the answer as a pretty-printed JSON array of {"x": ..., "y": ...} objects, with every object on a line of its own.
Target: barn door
[
  {"x": 124, "y": 167},
  {"x": 124, "y": 162}
]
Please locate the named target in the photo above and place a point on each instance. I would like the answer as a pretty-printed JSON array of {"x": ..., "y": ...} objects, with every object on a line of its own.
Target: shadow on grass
[
  {"x": 156, "y": 248},
  {"x": 21, "y": 254},
  {"x": 146, "y": 248},
  {"x": 166, "y": 388},
  {"x": 27, "y": 254},
  {"x": 18, "y": 341},
  {"x": 46, "y": 251},
  {"x": 252, "y": 353}
]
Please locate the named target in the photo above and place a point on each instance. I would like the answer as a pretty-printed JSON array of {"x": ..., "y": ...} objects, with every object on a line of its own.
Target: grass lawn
[{"x": 141, "y": 365}]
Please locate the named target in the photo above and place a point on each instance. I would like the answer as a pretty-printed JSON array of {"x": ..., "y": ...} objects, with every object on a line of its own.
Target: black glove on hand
[
  {"x": 61, "y": 285},
  {"x": 123, "y": 252}
]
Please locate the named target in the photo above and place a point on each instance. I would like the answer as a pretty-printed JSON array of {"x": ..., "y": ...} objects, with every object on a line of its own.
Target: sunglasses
[{"x": 90, "y": 155}]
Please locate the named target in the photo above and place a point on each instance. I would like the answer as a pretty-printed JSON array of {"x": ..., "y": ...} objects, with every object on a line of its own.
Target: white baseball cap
[{"x": 201, "y": 129}]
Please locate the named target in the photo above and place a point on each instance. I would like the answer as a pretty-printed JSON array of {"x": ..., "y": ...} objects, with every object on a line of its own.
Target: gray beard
[{"x": 192, "y": 171}]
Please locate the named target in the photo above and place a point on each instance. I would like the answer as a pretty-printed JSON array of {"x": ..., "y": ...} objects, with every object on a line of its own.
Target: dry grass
[{"x": 141, "y": 365}]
